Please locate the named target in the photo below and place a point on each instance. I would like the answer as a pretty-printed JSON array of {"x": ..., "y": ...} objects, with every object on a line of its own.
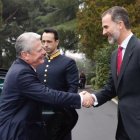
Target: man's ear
[
  {"x": 57, "y": 41},
  {"x": 121, "y": 24},
  {"x": 24, "y": 55}
]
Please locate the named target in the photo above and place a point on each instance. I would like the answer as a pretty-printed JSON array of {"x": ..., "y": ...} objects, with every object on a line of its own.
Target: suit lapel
[
  {"x": 126, "y": 58},
  {"x": 114, "y": 67}
]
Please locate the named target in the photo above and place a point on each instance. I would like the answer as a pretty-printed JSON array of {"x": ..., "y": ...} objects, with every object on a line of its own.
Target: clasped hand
[{"x": 88, "y": 99}]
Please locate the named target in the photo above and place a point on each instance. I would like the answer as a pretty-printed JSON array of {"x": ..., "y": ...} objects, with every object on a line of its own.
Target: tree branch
[{"x": 11, "y": 15}]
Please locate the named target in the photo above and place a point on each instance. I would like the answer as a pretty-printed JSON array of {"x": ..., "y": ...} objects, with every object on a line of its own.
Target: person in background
[
  {"x": 58, "y": 72},
  {"x": 82, "y": 80},
  {"x": 23, "y": 93},
  {"x": 124, "y": 77}
]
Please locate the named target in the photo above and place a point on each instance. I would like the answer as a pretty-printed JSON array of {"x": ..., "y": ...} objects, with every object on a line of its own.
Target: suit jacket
[
  {"x": 20, "y": 113},
  {"x": 127, "y": 87},
  {"x": 60, "y": 73}
]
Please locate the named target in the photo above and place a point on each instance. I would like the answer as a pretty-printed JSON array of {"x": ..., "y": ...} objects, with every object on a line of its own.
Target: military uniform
[{"x": 59, "y": 72}]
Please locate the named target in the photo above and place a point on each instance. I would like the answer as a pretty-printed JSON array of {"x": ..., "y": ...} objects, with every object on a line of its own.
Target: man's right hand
[{"x": 88, "y": 99}]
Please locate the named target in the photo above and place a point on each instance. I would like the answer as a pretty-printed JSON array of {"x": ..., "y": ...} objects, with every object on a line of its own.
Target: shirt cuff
[
  {"x": 81, "y": 99},
  {"x": 95, "y": 98}
]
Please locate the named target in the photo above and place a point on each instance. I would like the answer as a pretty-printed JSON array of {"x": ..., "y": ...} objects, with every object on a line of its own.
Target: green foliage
[
  {"x": 134, "y": 10},
  {"x": 89, "y": 27},
  {"x": 67, "y": 36},
  {"x": 0, "y": 13},
  {"x": 102, "y": 57},
  {"x": 69, "y": 25},
  {"x": 59, "y": 12},
  {"x": 0, "y": 29},
  {"x": 63, "y": 4},
  {"x": 68, "y": 40},
  {"x": 18, "y": 17},
  {"x": 35, "y": 15}
]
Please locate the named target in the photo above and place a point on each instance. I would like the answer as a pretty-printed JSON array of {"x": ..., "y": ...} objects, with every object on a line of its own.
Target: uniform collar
[{"x": 53, "y": 55}]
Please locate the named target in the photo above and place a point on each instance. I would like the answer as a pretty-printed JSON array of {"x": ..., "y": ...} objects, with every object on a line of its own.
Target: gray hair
[
  {"x": 25, "y": 42},
  {"x": 118, "y": 14}
]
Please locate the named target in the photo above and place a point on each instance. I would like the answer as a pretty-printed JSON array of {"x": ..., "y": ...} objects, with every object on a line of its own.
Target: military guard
[{"x": 58, "y": 72}]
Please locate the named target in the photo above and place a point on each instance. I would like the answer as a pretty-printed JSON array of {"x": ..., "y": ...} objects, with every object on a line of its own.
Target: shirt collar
[
  {"x": 33, "y": 68},
  {"x": 125, "y": 42}
]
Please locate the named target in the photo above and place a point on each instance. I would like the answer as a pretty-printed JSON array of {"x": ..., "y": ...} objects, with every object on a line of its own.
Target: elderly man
[{"x": 22, "y": 95}]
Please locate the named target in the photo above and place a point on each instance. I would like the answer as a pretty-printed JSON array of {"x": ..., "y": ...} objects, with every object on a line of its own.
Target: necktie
[{"x": 119, "y": 59}]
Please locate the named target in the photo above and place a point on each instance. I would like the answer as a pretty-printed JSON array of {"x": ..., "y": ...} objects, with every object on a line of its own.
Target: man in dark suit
[
  {"x": 23, "y": 93},
  {"x": 123, "y": 83},
  {"x": 58, "y": 72}
]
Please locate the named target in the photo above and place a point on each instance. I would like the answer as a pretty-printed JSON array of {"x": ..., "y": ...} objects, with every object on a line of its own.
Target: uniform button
[
  {"x": 47, "y": 66},
  {"x": 49, "y": 60},
  {"x": 45, "y": 75},
  {"x": 46, "y": 70},
  {"x": 45, "y": 81}
]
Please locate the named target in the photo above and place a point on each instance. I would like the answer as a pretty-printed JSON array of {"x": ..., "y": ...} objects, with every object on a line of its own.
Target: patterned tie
[{"x": 119, "y": 59}]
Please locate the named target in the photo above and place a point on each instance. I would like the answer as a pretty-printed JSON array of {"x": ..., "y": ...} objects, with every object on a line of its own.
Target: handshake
[{"x": 87, "y": 99}]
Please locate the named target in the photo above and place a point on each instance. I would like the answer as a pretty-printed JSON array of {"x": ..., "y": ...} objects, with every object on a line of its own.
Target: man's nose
[{"x": 104, "y": 32}]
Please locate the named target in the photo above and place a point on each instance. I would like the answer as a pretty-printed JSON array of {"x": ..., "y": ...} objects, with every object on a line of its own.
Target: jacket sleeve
[
  {"x": 107, "y": 92},
  {"x": 30, "y": 86}
]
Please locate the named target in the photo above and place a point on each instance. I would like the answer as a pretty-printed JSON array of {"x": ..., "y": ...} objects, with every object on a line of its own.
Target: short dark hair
[
  {"x": 49, "y": 30},
  {"x": 118, "y": 13}
]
